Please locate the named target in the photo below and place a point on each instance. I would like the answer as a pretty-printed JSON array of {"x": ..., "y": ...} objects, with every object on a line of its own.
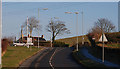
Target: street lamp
[
  {"x": 39, "y": 21},
  {"x": 51, "y": 32},
  {"x": 27, "y": 33},
  {"x": 76, "y": 26},
  {"x": 82, "y": 29}
]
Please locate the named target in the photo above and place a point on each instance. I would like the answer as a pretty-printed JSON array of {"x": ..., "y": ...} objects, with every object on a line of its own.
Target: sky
[
  {"x": 15, "y": 13},
  {"x": 60, "y": 0}
]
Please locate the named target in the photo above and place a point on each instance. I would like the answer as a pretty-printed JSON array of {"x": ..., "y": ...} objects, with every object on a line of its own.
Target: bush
[
  {"x": 60, "y": 44},
  {"x": 42, "y": 43},
  {"x": 4, "y": 46},
  {"x": 113, "y": 37}
]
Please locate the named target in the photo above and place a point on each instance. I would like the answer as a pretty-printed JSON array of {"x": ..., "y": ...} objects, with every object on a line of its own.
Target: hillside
[{"x": 72, "y": 40}]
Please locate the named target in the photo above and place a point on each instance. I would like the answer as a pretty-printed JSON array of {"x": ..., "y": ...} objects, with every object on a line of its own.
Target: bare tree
[
  {"x": 101, "y": 24},
  {"x": 33, "y": 23},
  {"x": 105, "y": 25},
  {"x": 57, "y": 27}
]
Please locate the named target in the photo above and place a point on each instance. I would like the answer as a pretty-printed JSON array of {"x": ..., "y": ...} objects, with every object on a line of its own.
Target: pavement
[
  {"x": 52, "y": 58},
  {"x": 107, "y": 63}
]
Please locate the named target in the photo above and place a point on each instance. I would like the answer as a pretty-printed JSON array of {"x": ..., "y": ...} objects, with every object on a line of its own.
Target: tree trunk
[{"x": 53, "y": 37}]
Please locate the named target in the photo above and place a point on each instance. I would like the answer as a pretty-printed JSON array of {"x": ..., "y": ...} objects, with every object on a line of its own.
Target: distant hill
[{"x": 72, "y": 40}]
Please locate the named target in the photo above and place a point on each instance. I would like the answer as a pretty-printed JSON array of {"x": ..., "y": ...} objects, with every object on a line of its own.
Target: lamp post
[
  {"x": 27, "y": 33},
  {"x": 39, "y": 21},
  {"x": 82, "y": 30},
  {"x": 76, "y": 27},
  {"x": 51, "y": 33}
]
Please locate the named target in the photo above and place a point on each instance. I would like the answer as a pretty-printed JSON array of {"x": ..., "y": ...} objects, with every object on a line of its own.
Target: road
[{"x": 52, "y": 58}]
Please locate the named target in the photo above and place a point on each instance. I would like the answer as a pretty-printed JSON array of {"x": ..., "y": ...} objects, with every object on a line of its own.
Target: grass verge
[
  {"x": 15, "y": 55},
  {"x": 86, "y": 62},
  {"x": 111, "y": 54}
]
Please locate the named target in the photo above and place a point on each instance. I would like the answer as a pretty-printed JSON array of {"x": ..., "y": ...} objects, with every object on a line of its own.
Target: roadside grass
[
  {"x": 72, "y": 40},
  {"x": 114, "y": 45},
  {"x": 110, "y": 45},
  {"x": 15, "y": 55},
  {"x": 111, "y": 54},
  {"x": 86, "y": 62}
]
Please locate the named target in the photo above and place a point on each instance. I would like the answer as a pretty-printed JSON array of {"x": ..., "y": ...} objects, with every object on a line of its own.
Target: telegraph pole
[{"x": 0, "y": 34}]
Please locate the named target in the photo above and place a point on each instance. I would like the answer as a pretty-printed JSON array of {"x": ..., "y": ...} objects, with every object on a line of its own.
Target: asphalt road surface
[{"x": 54, "y": 58}]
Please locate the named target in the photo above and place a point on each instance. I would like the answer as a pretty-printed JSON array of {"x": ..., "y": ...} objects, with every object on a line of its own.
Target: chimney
[{"x": 42, "y": 36}]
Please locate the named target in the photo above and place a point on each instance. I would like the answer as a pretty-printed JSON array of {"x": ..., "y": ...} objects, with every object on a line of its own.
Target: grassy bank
[
  {"x": 72, "y": 40},
  {"x": 86, "y": 62},
  {"x": 111, "y": 54},
  {"x": 15, "y": 55}
]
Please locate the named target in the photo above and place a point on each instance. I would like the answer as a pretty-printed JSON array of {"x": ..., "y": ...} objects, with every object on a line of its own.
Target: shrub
[
  {"x": 42, "y": 43},
  {"x": 4, "y": 46},
  {"x": 60, "y": 44},
  {"x": 113, "y": 37}
]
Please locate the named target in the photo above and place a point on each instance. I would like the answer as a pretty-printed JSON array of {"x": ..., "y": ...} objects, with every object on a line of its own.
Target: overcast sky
[{"x": 15, "y": 14}]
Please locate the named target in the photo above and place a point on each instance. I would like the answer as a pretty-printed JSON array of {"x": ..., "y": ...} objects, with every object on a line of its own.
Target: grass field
[
  {"x": 15, "y": 55},
  {"x": 72, "y": 40}
]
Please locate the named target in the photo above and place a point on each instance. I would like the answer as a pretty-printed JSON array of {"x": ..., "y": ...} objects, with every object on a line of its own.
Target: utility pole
[
  {"x": 0, "y": 34},
  {"x": 82, "y": 30}
]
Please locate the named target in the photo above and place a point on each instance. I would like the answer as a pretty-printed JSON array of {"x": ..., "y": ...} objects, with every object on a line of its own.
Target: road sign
[
  {"x": 104, "y": 38},
  {"x": 29, "y": 40}
]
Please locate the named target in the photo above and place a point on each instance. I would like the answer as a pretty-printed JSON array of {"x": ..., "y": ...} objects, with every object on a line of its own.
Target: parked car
[{"x": 18, "y": 44}]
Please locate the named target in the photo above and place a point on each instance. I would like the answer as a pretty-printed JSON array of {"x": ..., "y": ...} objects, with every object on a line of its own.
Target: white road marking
[{"x": 50, "y": 61}]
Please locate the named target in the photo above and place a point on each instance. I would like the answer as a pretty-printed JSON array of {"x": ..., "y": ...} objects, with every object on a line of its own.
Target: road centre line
[{"x": 50, "y": 61}]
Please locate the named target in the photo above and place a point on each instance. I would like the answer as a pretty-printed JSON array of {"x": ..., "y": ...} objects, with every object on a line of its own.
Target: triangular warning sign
[{"x": 104, "y": 38}]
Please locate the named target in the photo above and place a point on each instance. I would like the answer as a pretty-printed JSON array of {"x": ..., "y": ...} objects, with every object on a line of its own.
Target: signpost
[
  {"x": 29, "y": 40},
  {"x": 103, "y": 39}
]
